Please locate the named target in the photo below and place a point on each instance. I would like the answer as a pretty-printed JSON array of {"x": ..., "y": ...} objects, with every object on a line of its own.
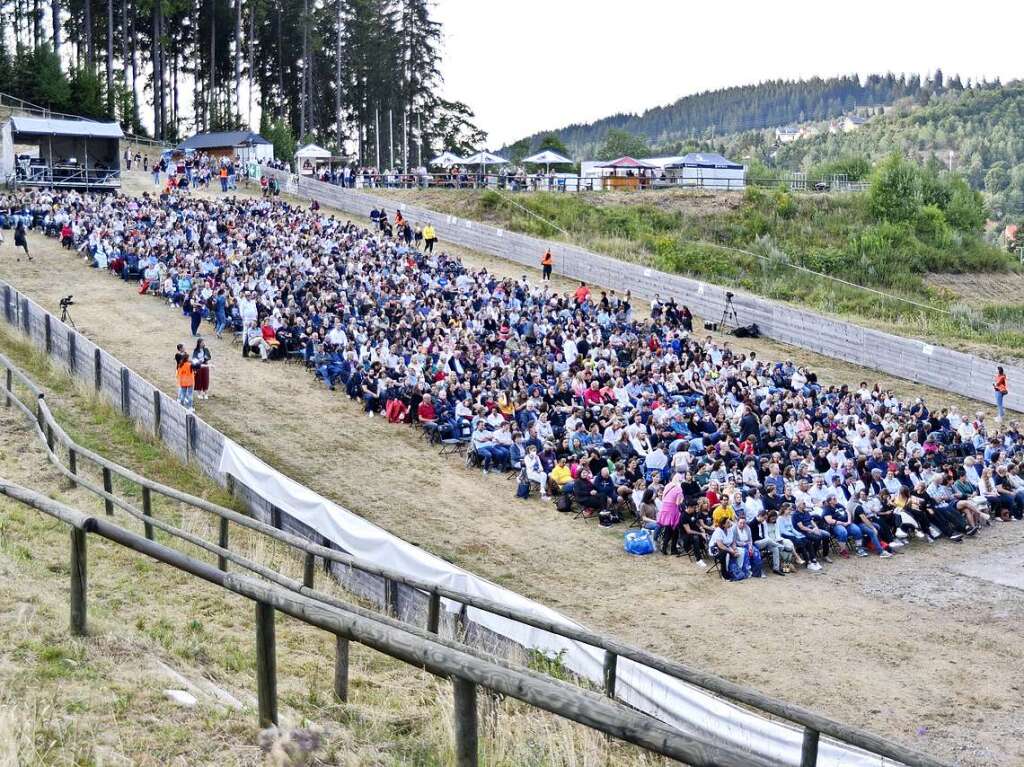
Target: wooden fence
[{"x": 388, "y": 633}]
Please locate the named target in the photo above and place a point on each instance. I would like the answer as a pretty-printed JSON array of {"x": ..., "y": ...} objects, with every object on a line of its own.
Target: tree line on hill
[
  {"x": 361, "y": 72},
  {"x": 703, "y": 116}
]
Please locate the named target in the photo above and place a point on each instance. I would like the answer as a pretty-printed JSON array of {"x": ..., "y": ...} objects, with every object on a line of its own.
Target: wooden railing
[{"x": 293, "y": 598}]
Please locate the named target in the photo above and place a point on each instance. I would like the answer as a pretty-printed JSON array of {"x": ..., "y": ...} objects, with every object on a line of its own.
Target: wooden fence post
[
  {"x": 390, "y": 597},
  {"x": 8, "y": 385},
  {"x": 49, "y": 437},
  {"x": 275, "y": 517},
  {"x": 108, "y": 486},
  {"x": 79, "y": 582},
  {"x": 126, "y": 393},
  {"x": 611, "y": 663},
  {"x": 809, "y": 751},
  {"x": 156, "y": 412},
  {"x": 190, "y": 431},
  {"x": 465, "y": 723},
  {"x": 97, "y": 362},
  {"x": 434, "y": 612},
  {"x": 73, "y": 465},
  {"x": 341, "y": 668},
  {"x": 72, "y": 351},
  {"x": 309, "y": 570},
  {"x": 147, "y": 510},
  {"x": 266, "y": 664},
  {"x": 222, "y": 541},
  {"x": 26, "y": 318},
  {"x": 48, "y": 334}
]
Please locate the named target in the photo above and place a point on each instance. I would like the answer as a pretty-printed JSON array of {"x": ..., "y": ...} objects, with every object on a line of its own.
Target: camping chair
[{"x": 458, "y": 443}]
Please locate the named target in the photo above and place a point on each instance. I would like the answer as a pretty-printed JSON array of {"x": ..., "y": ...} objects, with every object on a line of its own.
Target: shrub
[{"x": 895, "y": 192}]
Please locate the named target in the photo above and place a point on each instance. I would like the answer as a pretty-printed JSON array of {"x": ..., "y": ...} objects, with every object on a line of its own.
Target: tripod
[
  {"x": 728, "y": 313},
  {"x": 65, "y": 317}
]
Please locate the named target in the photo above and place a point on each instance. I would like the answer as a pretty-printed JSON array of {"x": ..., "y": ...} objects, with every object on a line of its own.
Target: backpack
[
  {"x": 638, "y": 542},
  {"x": 523, "y": 490},
  {"x": 563, "y": 503}
]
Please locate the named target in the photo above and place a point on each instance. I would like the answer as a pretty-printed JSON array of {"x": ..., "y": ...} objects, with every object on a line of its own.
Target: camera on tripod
[
  {"x": 66, "y": 302},
  {"x": 728, "y": 295}
]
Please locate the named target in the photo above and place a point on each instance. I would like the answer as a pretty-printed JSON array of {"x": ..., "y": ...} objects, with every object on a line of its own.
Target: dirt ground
[
  {"x": 982, "y": 289},
  {"x": 908, "y": 647}
]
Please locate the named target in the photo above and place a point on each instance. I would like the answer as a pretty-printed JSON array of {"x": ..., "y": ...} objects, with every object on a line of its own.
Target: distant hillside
[
  {"x": 748, "y": 107},
  {"x": 983, "y": 128}
]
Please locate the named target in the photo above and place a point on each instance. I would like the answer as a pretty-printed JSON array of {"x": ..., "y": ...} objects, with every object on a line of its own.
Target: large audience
[{"x": 738, "y": 462}]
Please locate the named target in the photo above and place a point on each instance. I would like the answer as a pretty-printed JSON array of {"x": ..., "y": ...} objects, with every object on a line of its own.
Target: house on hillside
[
  {"x": 248, "y": 146},
  {"x": 787, "y": 134},
  {"x": 853, "y": 122}
]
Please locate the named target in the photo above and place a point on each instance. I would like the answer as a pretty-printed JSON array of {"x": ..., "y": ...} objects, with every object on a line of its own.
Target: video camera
[
  {"x": 66, "y": 302},
  {"x": 728, "y": 295}
]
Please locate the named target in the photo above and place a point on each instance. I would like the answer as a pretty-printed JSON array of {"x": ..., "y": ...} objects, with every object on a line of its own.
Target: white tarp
[{"x": 677, "y": 703}]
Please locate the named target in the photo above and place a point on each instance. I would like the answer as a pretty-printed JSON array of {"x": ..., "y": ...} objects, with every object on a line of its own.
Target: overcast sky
[{"x": 528, "y": 65}]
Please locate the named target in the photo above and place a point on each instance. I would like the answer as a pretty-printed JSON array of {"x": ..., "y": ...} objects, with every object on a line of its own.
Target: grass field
[
  {"x": 753, "y": 241},
  {"x": 100, "y": 700},
  {"x": 909, "y": 647}
]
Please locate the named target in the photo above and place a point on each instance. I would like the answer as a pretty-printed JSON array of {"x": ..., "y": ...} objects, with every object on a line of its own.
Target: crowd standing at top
[{"x": 719, "y": 453}]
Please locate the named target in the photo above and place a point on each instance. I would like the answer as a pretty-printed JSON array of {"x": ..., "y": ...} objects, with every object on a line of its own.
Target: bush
[
  {"x": 895, "y": 192},
  {"x": 930, "y": 225}
]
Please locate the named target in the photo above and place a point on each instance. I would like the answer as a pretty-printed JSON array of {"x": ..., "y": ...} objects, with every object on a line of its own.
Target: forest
[
  {"x": 703, "y": 116},
  {"x": 357, "y": 76}
]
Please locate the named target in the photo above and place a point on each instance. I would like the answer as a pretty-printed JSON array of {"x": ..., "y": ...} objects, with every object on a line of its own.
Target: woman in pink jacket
[{"x": 668, "y": 516}]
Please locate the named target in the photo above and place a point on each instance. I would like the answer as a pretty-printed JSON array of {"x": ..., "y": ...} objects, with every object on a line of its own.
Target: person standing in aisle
[
  {"x": 429, "y": 238},
  {"x": 201, "y": 357},
  {"x": 20, "y": 240},
  {"x": 186, "y": 378},
  {"x": 546, "y": 263},
  {"x": 1000, "y": 389}
]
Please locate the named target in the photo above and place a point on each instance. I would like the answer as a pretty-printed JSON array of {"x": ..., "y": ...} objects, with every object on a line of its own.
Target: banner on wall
[{"x": 683, "y": 706}]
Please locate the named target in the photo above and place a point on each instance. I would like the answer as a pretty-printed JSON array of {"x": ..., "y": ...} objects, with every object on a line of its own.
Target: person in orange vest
[
  {"x": 186, "y": 377},
  {"x": 1001, "y": 391},
  {"x": 223, "y": 178},
  {"x": 546, "y": 263}
]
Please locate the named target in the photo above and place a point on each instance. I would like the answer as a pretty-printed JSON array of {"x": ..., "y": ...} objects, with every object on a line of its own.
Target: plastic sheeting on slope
[{"x": 689, "y": 708}]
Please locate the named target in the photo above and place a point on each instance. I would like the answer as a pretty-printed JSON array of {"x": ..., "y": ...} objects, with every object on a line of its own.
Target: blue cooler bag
[{"x": 639, "y": 542}]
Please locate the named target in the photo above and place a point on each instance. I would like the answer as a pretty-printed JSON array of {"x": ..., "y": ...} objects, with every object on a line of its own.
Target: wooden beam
[
  {"x": 79, "y": 582},
  {"x": 266, "y": 664},
  {"x": 466, "y": 747},
  {"x": 341, "y": 668},
  {"x": 108, "y": 487}
]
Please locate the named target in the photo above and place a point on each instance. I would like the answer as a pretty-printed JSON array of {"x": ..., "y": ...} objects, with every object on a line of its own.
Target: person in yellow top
[
  {"x": 429, "y": 238},
  {"x": 722, "y": 511},
  {"x": 546, "y": 263},
  {"x": 560, "y": 474}
]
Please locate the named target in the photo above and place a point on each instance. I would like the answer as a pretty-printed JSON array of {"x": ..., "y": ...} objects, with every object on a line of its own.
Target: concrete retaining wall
[{"x": 907, "y": 358}]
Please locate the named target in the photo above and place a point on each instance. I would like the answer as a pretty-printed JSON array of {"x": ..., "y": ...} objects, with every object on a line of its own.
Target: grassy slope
[
  {"x": 66, "y": 701},
  {"x": 696, "y": 232}
]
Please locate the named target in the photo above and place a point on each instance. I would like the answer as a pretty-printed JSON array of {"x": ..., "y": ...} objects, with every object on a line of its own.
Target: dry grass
[
  {"x": 100, "y": 700},
  {"x": 858, "y": 643}
]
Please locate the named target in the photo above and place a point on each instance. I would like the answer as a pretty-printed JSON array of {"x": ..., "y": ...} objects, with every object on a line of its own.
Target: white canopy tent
[
  {"x": 485, "y": 158},
  {"x": 446, "y": 160},
  {"x": 548, "y": 158},
  {"x": 313, "y": 152}
]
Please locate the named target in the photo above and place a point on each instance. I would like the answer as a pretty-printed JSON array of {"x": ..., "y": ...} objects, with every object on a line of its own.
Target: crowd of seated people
[{"x": 726, "y": 457}]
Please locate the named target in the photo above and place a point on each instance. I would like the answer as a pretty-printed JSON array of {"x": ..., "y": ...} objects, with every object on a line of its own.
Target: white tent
[
  {"x": 485, "y": 158},
  {"x": 446, "y": 160},
  {"x": 548, "y": 158},
  {"x": 313, "y": 152}
]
